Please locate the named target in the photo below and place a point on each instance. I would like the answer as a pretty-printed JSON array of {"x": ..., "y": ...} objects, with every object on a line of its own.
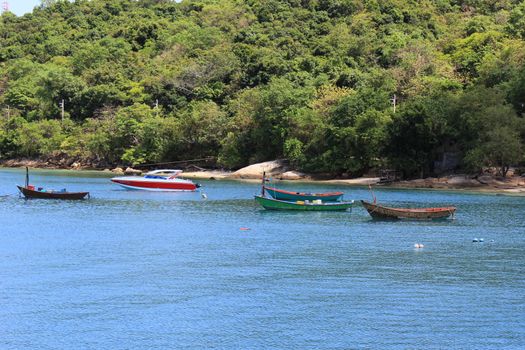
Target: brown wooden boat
[
  {"x": 30, "y": 192},
  {"x": 381, "y": 212},
  {"x": 40, "y": 193}
]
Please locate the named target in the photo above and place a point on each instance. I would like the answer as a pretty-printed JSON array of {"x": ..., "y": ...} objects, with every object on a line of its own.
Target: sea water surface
[{"x": 145, "y": 270}]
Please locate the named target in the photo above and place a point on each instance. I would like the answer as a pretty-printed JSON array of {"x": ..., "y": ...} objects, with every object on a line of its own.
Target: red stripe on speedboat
[{"x": 162, "y": 185}]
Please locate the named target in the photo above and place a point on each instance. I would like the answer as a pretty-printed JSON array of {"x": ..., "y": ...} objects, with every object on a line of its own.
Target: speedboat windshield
[{"x": 163, "y": 173}]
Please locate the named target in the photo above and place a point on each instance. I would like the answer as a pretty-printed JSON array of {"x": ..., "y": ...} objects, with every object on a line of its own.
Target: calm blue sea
[{"x": 144, "y": 270}]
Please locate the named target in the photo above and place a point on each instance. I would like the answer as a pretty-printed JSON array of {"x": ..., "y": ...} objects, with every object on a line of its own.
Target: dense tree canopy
[{"x": 244, "y": 81}]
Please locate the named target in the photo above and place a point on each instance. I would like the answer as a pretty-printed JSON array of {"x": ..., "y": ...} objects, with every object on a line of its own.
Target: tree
[
  {"x": 416, "y": 133},
  {"x": 498, "y": 142},
  {"x": 249, "y": 81}
]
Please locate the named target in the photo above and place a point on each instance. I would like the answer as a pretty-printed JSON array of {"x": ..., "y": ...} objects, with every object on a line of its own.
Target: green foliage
[
  {"x": 469, "y": 52},
  {"x": 501, "y": 147},
  {"x": 495, "y": 136},
  {"x": 230, "y": 155},
  {"x": 294, "y": 151},
  {"x": 39, "y": 138},
  {"x": 202, "y": 127},
  {"x": 248, "y": 81},
  {"x": 516, "y": 23},
  {"x": 416, "y": 133},
  {"x": 516, "y": 91}
]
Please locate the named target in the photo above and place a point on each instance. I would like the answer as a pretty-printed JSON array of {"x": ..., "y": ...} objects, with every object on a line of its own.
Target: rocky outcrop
[
  {"x": 462, "y": 181},
  {"x": 255, "y": 171},
  {"x": 57, "y": 160},
  {"x": 456, "y": 181},
  {"x": 131, "y": 171},
  {"x": 118, "y": 171},
  {"x": 485, "y": 182},
  {"x": 15, "y": 163},
  {"x": 207, "y": 174},
  {"x": 292, "y": 175},
  {"x": 360, "y": 181}
]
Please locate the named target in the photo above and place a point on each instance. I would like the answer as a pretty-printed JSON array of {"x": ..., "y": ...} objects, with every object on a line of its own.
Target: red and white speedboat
[{"x": 157, "y": 180}]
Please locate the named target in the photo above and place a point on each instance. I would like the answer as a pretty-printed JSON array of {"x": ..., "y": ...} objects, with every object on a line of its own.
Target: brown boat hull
[
  {"x": 28, "y": 193},
  {"x": 382, "y": 212}
]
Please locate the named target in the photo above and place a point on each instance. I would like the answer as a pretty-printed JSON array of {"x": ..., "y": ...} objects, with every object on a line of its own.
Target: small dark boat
[
  {"x": 381, "y": 212},
  {"x": 30, "y": 191},
  {"x": 316, "y": 205},
  {"x": 302, "y": 196}
]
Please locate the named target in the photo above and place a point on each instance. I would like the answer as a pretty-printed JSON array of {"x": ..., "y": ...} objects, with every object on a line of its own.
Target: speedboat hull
[{"x": 138, "y": 183}]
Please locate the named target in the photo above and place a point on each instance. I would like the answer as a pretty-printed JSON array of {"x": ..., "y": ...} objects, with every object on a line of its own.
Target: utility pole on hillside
[
  {"x": 62, "y": 108},
  {"x": 157, "y": 107},
  {"x": 394, "y": 101}
]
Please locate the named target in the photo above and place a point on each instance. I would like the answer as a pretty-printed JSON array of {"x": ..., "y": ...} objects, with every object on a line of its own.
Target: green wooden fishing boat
[
  {"x": 290, "y": 196},
  {"x": 302, "y": 196},
  {"x": 274, "y": 204}
]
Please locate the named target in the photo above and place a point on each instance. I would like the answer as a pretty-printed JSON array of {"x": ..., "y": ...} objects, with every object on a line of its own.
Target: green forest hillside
[{"x": 246, "y": 81}]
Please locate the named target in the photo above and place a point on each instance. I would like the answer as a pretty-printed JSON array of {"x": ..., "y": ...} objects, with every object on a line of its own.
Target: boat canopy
[{"x": 165, "y": 172}]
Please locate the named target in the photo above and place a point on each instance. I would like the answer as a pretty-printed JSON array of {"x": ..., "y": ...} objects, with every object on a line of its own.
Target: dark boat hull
[
  {"x": 381, "y": 212},
  {"x": 274, "y": 204},
  {"x": 301, "y": 196},
  {"x": 28, "y": 193}
]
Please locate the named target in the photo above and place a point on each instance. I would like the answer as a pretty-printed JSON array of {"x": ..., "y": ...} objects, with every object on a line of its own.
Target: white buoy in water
[
  {"x": 481, "y": 239},
  {"x": 203, "y": 195},
  {"x": 475, "y": 240},
  {"x": 419, "y": 245}
]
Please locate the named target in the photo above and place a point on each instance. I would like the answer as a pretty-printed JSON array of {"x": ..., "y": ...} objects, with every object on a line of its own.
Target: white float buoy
[
  {"x": 418, "y": 245},
  {"x": 475, "y": 240}
]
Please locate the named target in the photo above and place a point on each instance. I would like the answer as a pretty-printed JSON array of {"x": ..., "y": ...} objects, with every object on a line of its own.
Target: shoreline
[
  {"x": 486, "y": 184},
  {"x": 514, "y": 187}
]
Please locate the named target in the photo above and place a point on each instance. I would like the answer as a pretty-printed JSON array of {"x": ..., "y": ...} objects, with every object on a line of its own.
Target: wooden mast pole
[{"x": 263, "y": 183}]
